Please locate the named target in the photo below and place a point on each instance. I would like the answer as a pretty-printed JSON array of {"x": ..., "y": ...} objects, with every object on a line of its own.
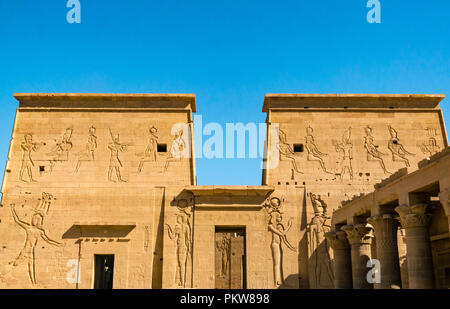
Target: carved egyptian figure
[
  {"x": 176, "y": 150},
  {"x": 88, "y": 153},
  {"x": 151, "y": 151},
  {"x": 319, "y": 247},
  {"x": 114, "y": 163},
  {"x": 347, "y": 153},
  {"x": 34, "y": 231},
  {"x": 286, "y": 151},
  {"x": 373, "y": 154},
  {"x": 27, "y": 162},
  {"x": 278, "y": 236},
  {"x": 182, "y": 234},
  {"x": 313, "y": 152},
  {"x": 399, "y": 152},
  {"x": 61, "y": 151}
]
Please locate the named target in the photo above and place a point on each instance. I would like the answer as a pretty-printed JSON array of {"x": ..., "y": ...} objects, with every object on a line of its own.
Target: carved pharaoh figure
[
  {"x": 286, "y": 152},
  {"x": 399, "y": 152},
  {"x": 34, "y": 231},
  {"x": 373, "y": 154},
  {"x": 88, "y": 153},
  {"x": 28, "y": 147},
  {"x": 346, "y": 149},
  {"x": 279, "y": 232},
  {"x": 151, "y": 151},
  {"x": 318, "y": 244},
  {"x": 114, "y": 163},
  {"x": 431, "y": 147},
  {"x": 313, "y": 152}
]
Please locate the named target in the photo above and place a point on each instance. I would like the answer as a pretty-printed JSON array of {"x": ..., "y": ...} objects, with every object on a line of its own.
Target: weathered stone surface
[{"x": 93, "y": 175}]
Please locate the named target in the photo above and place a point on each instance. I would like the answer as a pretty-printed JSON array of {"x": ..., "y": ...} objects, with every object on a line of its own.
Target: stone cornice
[
  {"x": 105, "y": 100},
  {"x": 423, "y": 101}
]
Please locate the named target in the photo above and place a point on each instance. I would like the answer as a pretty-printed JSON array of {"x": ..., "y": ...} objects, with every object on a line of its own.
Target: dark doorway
[
  {"x": 104, "y": 271},
  {"x": 230, "y": 261}
]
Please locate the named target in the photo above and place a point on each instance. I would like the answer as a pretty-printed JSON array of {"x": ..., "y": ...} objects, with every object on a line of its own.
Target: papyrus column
[
  {"x": 385, "y": 229},
  {"x": 360, "y": 238},
  {"x": 342, "y": 260},
  {"x": 418, "y": 249}
]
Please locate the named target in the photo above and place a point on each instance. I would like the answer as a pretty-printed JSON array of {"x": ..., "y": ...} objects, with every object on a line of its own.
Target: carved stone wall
[
  {"x": 99, "y": 160},
  {"x": 345, "y": 153}
]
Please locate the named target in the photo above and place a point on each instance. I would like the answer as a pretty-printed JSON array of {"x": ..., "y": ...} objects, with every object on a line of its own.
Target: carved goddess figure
[
  {"x": 27, "y": 162},
  {"x": 278, "y": 237},
  {"x": 286, "y": 151},
  {"x": 176, "y": 150},
  {"x": 346, "y": 148},
  {"x": 88, "y": 153},
  {"x": 114, "y": 163},
  {"x": 318, "y": 244},
  {"x": 399, "y": 152},
  {"x": 34, "y": 231},
  {"x": 151, "y": 151},
  {"x": 313, "y": 152},
  {"x": 182, "y": 234},
  {"x": 373, "y": 154}
]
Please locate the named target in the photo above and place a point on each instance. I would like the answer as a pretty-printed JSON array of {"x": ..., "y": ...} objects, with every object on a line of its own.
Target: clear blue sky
[{"x": 228, "y": 53}]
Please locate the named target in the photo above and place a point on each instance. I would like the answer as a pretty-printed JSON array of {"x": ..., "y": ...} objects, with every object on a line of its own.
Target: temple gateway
[{"x": 100, "y": 191}]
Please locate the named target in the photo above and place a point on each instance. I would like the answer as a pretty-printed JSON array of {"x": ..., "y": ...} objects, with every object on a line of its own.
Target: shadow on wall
[{"x": 290, "y": 282}]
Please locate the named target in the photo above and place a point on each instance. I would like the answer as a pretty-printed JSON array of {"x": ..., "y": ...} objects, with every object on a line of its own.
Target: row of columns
[{"x": 352, "y": 250}]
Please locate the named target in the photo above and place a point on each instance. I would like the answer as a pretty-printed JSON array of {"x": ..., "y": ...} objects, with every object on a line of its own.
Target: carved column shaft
[
  {"x": 420, "y": 263},
  {"x": 342, "y": 259},
  {"x": 385, "y": 229},
  {"x": 360, "y": 238}
]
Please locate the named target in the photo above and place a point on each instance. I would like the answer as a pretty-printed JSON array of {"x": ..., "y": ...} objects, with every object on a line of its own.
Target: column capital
[
  {"x": 413, "y": 216},
  {"x": 359, "y": 233},
  {"x": 338, "y": 240}
]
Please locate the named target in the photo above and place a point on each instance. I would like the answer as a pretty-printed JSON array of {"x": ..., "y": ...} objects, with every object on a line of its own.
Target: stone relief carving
[
  {"x": 151, "y": 152},
  {"x": 313, "y": 152},
  {"x": 60, "y": 153},
  {"x": 319, "y": 247},
  {"x": 146, "y": 237},
  {"x": 181, "y": 233},
  {"x": 286, "y": 151},
  {"x": 115, "y": 147},
  {"x": 224, "y": 246},
  {"x": 89, "y": 153},
  {"x": 345, "y": 148},
  {"x": 176, "y": 150},
  {"x": 28, "y": 147},
  {"x": 279, "y": 232},
  {"x": 34, "y": 231},
  {"x": 373, "y": 154},
  {"x": 399, "y": 152},
  {"x": 431, "y": 146}
]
